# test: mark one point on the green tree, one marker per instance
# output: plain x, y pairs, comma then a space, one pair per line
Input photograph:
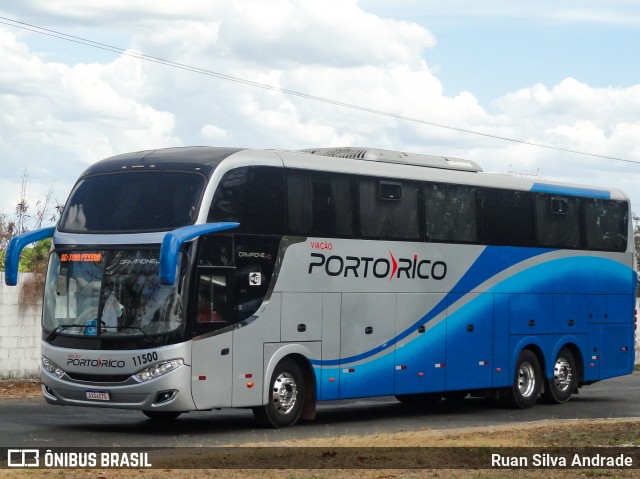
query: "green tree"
33, 258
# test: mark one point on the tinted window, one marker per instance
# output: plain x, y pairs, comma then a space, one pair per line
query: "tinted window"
450, 213
507, 217
389, 210
133, 201
320, 204
606, 224
252, 196
558, 221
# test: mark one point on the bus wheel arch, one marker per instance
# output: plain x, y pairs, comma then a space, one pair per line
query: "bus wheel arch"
290, 394
309, 398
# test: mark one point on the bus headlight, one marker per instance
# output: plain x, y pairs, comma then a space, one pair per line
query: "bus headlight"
158, 370
52, 367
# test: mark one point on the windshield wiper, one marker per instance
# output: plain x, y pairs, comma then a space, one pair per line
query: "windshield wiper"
144, 333
53, 334
62, 327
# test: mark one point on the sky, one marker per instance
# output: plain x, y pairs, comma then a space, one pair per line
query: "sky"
563, 74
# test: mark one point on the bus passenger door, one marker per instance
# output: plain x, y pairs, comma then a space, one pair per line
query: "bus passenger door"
469, 342
211, 320
420, 354
366, 329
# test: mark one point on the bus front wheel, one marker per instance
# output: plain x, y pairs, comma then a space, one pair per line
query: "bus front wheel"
286, 393
560, 387
526, 382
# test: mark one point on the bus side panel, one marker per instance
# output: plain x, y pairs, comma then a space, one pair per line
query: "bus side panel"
367, 323
470, 343
611, 351
420, 357
618, 351
248, 353
301, 317
611, 336
501, 341
570, 313
531, 314
328, 377
211, 371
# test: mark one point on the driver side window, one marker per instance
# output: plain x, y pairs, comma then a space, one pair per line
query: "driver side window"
211, 302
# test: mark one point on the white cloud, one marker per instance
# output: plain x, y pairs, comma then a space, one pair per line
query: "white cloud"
56, 118
612, 12
212, 132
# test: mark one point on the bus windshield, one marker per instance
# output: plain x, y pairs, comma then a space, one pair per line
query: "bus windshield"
133, 201
109, 293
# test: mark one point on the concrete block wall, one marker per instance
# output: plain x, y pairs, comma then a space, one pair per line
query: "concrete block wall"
19, 334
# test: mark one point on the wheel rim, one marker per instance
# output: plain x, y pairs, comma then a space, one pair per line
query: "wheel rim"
526, 379
562, 374
285, 393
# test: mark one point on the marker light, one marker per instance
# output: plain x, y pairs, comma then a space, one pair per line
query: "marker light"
52, 367
158, 370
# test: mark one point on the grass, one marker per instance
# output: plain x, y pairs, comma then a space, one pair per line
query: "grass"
565, 435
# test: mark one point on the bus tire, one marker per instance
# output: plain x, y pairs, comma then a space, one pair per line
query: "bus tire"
286, 396
560, 387
162, 415
527, 380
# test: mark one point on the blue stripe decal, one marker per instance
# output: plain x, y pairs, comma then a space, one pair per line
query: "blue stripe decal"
491, 261
570, 191
562, 276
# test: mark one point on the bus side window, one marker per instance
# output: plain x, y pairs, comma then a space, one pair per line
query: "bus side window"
558, 221
389, 209
507, 217
450, 213
252, 196
320, 204
606, 224
212, 300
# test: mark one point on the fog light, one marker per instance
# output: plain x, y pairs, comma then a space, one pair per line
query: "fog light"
164, 396
48, 392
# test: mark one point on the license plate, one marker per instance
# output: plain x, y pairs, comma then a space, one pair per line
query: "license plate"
98, 395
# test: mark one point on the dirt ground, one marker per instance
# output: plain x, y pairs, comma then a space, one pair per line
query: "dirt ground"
19, 389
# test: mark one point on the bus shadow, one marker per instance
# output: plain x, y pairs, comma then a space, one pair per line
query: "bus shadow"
237, 426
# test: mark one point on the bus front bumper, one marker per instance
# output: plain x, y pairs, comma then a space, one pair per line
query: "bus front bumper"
170, 392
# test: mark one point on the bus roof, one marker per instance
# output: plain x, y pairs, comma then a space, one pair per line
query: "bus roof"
200, 158
379, 162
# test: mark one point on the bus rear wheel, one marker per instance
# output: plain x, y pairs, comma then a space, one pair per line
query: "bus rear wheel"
560, 387
526, 382
286, 394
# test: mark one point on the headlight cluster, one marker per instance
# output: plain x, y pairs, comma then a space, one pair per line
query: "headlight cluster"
158, 370
52, 367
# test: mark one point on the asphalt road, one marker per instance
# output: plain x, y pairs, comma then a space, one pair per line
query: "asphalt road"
33, 423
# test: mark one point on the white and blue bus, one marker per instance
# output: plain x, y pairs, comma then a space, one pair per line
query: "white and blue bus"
189, 279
